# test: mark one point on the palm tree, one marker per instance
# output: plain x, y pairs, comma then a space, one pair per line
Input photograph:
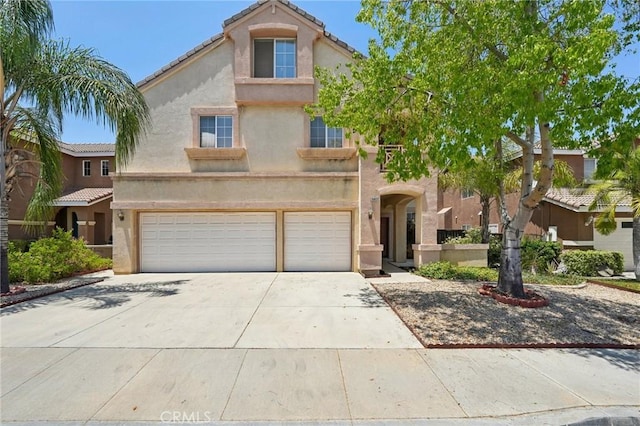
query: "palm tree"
41, 80
620, 184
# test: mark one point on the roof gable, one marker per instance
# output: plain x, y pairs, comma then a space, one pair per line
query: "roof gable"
237, 19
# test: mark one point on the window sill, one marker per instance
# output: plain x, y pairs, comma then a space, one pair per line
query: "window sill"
215, 153
326, 153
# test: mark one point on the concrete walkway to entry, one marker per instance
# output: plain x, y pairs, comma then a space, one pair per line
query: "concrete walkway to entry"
278, 347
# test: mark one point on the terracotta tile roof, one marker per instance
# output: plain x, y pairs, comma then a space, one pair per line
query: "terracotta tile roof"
219, 37
574, 200
83, 197
84, 148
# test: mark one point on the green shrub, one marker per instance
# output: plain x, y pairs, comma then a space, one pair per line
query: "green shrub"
495, 249
471, 236
447, 271
538, 254
587, 263
50, 259
21, 245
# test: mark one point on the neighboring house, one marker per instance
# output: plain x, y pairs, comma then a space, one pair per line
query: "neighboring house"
84, 206
235, 176
563, 215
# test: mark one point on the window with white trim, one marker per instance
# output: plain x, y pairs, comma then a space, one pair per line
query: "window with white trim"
104, 168
86, 168
467, 193
323, 136
216, 131
274, 58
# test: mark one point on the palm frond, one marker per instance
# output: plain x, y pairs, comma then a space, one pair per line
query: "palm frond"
37, 126
77, 81
33, 18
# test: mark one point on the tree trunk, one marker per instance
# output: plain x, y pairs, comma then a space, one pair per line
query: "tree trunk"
510, 275
4, 225
636, 246
484, 220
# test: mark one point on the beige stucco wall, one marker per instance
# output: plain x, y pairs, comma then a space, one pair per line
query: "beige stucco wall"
205, 81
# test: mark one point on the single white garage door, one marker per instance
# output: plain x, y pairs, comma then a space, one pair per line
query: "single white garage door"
207, 242
317, 241
619, 240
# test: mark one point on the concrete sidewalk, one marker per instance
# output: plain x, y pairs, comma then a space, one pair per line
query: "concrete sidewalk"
273, 348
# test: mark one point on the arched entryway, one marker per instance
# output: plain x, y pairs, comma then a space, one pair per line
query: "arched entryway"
398, 230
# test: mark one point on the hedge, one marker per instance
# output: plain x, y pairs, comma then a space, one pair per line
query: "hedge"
587, 263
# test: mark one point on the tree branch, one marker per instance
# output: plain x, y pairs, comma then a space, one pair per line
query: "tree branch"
493, 49
518, 140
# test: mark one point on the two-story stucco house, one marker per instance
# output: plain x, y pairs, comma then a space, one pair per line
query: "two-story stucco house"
84, 205
235, 176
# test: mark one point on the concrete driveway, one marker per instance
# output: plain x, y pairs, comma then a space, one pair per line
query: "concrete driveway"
320, 347
264, 310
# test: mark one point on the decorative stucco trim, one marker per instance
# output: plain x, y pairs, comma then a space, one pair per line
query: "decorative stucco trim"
234, 206
402, 188
298, 81
326, 153
215, 153
127, 176
272, 29
370, 248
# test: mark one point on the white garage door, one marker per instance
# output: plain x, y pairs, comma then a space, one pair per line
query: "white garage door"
207, 242
317, 241
619, 240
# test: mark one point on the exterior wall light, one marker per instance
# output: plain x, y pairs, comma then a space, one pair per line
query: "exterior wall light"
120, 215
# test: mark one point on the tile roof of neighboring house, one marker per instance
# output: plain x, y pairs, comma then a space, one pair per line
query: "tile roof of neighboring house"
84, 197
234, 18
573, 200
88, 149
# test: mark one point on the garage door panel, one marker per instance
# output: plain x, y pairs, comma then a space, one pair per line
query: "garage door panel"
199, 242
619, 240
317, 241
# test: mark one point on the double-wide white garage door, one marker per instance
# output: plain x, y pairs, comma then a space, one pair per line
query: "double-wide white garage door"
244, 241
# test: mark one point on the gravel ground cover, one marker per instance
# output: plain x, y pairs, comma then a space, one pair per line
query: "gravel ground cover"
443, 313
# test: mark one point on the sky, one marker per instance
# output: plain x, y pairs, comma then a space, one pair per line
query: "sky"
142, 36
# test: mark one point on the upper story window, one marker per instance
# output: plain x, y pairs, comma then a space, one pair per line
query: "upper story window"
216, 131
467, 193
104, 168
323, 136
274, 58
86, 168
590, 165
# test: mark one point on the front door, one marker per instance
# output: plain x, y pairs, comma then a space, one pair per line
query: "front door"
384, 236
